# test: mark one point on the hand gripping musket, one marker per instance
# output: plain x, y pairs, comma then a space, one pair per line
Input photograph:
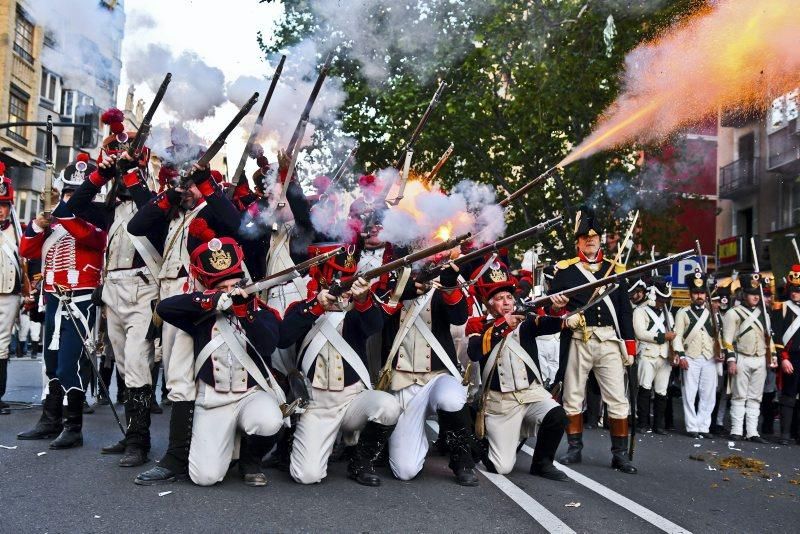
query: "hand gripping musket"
338, 287
430, 273
716, 329
259, 121
771, 355
47, 192
218, 143
90, 350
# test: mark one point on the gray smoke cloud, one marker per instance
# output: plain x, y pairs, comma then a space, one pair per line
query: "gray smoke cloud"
196, 90
82, 35
425, 34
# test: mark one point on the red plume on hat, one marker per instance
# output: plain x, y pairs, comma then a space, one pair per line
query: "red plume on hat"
199, 229
366, 180
112, 115
2, 168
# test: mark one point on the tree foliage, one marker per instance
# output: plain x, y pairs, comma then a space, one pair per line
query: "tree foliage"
527, 80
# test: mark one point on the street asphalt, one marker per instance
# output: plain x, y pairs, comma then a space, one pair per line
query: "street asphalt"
682, 485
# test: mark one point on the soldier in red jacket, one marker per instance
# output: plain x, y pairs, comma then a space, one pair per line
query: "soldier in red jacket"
71, 250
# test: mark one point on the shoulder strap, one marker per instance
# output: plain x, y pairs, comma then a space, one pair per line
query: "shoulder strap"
607, 301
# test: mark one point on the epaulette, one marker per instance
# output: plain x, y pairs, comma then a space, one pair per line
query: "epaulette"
618, 267
563, 264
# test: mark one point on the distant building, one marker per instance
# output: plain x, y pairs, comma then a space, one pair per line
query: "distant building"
39, 76
759, 187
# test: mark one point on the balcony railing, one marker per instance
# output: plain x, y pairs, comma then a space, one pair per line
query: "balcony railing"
784, 149
739, 178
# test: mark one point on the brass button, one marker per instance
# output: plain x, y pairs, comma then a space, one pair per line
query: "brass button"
242, 379
339, 379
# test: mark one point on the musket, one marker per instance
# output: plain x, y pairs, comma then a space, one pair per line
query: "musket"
428, 274
89, 348
439, 164
47, 193
339, 173
772, 359
279, 278
218, 143
144, 128
527, 187
715, 326
796, 250
400, 159
323, 73
672, 358
611, 278
259, 120
340, 286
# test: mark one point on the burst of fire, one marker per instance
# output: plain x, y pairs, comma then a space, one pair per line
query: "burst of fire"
736, 54
444, 232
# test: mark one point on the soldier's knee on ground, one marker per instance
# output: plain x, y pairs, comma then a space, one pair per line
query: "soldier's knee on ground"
208, 475
405, 470
307, 474
502, 466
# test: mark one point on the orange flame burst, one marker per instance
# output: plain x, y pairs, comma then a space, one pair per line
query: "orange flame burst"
737, 54
444, 232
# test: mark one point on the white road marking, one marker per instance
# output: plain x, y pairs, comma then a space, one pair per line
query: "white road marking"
635, 508
532, 507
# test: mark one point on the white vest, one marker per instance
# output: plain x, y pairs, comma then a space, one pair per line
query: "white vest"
176, 253
9, 260
120, 250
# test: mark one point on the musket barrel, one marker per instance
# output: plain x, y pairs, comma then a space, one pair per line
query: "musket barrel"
613, 278
527, 187
220, 140
144, 128
323, 73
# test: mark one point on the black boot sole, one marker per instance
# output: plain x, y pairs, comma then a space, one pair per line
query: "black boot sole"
73, 445
49, 435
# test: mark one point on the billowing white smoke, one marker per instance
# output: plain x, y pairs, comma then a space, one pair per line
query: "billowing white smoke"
423, 216
82, 34
196, 90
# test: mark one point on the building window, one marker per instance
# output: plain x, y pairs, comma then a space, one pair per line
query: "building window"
50, 90
17, 112
74, 102
783, 110
23, 36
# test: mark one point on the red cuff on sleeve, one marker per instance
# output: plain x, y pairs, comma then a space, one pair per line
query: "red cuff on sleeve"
206, 188
163, 202
240, 310
363, 306
784, 355
630, 347
452, 297
559, 313
316, 308
131, 179
97, 180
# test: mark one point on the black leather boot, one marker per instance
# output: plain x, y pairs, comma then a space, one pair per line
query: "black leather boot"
461, 443
787, 414
50, 423
71, 436
118, 447
370, 444
574, 440
252, 450
659, 412
5, 409
121, 389
282, 455
137, 437
642, 408
547, 439
175, 463
768, 413
619, 446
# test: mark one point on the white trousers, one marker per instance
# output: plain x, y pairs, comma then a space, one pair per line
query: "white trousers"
548, 347
217, 418
504, 424
177, 351
699, 379
746, 392
605, 359
129, 312
28, 328
9, 310
654, 374
408, 444
328, 412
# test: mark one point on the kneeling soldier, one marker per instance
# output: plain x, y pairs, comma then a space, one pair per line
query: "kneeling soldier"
234, 335
505, 345
330, 334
